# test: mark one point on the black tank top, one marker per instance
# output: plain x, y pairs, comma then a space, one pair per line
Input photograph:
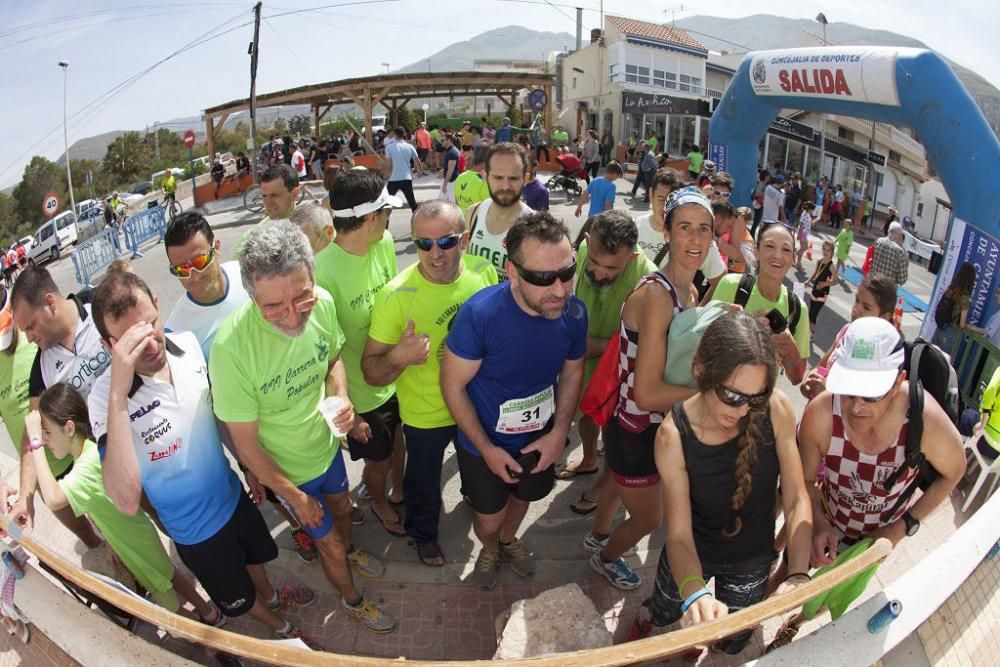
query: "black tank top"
822, 275
710, 477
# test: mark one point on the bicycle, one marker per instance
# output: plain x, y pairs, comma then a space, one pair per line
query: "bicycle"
173, 206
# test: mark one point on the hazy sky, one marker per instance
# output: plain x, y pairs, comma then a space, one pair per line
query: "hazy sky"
109, 42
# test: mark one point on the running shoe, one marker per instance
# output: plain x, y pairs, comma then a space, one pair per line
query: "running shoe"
519, 558
617, 572
305, 548
362, 492
487, 568
370, 616
594, 545
290, 597
365, 564
217, 622
295, 633
357, 516
642, 624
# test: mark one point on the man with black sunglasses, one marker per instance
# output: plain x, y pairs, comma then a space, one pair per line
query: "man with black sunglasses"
511, 376
409, 325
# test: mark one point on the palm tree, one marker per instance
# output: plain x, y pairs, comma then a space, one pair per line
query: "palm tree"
127, 157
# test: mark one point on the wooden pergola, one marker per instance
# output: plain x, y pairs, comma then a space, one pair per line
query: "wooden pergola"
392, 91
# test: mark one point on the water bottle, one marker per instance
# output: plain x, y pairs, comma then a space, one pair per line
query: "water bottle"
897, 314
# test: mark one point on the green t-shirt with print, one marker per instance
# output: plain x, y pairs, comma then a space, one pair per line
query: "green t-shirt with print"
432, 307
725, 291
133, 538
15, 372
604, 306
470, 189
354, 282
260, 374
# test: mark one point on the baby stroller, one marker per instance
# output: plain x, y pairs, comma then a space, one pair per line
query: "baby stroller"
569, 178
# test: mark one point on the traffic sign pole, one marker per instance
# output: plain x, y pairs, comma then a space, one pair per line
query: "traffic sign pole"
189, 142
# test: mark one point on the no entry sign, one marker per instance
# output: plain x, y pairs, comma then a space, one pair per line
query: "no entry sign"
189, 139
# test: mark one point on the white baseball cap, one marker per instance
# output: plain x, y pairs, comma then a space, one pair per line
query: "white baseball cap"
869, 359
6, 321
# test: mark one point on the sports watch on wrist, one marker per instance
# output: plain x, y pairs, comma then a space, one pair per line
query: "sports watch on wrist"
912, 524
35, 443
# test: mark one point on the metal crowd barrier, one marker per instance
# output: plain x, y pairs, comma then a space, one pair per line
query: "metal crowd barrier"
975, 359
143, 226
93, 255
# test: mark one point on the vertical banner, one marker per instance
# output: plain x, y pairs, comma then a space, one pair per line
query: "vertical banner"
717, 154
967, 244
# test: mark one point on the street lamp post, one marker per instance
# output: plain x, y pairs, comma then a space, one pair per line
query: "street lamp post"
821, 18
386, 66
69, 175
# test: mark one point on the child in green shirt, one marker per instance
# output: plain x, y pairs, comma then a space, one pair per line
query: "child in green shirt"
845, 238
62, 424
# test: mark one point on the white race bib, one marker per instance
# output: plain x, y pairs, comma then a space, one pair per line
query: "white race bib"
525, 415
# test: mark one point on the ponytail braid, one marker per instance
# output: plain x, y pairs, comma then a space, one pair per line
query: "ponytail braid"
745, 461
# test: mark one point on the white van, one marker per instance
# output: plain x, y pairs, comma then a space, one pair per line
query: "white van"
53, 236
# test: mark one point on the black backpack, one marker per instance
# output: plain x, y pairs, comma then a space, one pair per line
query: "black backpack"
928, 371
945, 311
746, 287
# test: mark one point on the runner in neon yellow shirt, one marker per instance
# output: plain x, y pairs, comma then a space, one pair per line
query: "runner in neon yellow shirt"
406, 340
274, 361
354, 269
63, 425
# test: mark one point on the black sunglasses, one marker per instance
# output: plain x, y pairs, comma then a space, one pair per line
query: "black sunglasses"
735, 399
445, 242
546, 278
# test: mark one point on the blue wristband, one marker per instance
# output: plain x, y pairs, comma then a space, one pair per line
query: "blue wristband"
694, 597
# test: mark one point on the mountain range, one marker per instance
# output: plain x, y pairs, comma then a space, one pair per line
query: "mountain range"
517, 42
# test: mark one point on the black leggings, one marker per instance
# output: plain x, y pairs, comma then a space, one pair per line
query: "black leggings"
591, 171
737, 585
814, 308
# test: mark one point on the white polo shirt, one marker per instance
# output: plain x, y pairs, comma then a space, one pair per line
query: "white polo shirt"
79, 367
185, 473
203, 319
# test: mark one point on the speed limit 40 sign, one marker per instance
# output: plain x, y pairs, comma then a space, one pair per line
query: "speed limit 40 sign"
50, 205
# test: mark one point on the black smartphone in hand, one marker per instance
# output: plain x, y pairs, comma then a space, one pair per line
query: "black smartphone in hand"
776, 321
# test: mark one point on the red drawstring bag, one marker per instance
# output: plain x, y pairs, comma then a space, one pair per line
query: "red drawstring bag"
600, 397
867, 266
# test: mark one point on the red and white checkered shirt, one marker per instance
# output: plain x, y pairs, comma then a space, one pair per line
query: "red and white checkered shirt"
630, 416
853, 485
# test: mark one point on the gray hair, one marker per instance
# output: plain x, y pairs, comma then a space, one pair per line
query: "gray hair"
896, 229
275, 248
313, 217
439, 208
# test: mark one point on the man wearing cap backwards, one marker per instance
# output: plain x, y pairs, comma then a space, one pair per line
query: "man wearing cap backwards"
857, 428
888, 257
69, 350
507, 170
274, 361
354, 269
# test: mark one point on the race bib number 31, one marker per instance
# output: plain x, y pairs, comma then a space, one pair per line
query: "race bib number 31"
525, 415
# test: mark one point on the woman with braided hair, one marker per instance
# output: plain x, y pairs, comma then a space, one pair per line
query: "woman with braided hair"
721, 454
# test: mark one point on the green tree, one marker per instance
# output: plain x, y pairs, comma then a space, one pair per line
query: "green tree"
102, 181
128, 157
243, 127
280, 125
301, 124
9, 220
41, 176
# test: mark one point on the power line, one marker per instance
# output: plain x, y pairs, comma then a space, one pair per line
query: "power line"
290, 49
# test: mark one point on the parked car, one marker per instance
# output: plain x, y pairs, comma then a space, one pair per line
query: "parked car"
89, 209
53, 237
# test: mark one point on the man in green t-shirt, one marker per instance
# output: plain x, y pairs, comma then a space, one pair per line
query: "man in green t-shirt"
609, 263
273, 363
560, 137
695, 158
406, 342
470, 186
354, 269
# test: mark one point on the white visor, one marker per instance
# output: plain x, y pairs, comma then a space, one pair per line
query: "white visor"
384, 199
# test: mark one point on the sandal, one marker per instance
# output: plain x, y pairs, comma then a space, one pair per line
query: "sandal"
783, 637
393, 527
583, 504
429, 552
568, 473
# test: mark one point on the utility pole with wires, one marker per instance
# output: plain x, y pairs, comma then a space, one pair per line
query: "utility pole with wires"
253, 90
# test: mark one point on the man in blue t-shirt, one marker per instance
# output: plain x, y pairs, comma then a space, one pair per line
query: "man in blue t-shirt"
400, 154
451, 171
511, 377
600, 192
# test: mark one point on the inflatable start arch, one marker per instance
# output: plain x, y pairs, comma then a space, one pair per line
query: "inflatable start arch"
914, 88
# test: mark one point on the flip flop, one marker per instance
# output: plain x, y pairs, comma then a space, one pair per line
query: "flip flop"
583, 504
391, 525
566, 473
426, 551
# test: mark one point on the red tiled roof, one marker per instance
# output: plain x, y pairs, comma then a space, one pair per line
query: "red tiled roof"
660, 33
